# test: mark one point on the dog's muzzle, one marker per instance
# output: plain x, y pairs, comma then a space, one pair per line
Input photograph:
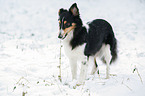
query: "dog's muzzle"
65, 32
62, 34
62, 37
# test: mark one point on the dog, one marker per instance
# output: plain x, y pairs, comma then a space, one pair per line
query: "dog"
81, 43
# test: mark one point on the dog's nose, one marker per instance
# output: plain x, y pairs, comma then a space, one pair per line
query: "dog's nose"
60, 36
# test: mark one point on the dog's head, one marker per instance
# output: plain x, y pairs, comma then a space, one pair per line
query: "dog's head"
67, 20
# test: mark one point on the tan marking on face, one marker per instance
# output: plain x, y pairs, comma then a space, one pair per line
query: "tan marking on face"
67, 30
59, 21
59, 12
73, 24
65, 22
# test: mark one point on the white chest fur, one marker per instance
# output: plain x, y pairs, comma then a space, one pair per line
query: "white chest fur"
76, 53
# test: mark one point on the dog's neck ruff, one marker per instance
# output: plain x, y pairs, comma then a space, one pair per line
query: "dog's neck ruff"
67, 30
78, 37
70, 33
69, 36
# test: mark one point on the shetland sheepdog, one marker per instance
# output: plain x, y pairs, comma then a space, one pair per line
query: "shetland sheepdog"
81, 43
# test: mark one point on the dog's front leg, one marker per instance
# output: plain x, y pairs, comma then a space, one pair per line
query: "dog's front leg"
83, 72
73, 64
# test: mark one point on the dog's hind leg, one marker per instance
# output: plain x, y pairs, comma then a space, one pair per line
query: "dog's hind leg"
73, 64
95, 67
108, 57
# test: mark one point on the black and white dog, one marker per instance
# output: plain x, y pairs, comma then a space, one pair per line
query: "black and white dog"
81, 43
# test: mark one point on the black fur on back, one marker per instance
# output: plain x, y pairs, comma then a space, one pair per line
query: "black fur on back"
100, 32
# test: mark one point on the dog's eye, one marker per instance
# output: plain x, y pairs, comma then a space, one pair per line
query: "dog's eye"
68, 24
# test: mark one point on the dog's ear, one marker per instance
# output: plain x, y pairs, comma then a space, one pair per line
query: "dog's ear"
61, 11
74, 10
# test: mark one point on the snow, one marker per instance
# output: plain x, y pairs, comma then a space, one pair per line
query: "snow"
29, 48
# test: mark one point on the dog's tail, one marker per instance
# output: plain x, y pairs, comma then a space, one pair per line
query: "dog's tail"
111, 40
114, 50
113, 46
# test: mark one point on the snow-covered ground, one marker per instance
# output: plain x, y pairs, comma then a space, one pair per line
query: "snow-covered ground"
29, 48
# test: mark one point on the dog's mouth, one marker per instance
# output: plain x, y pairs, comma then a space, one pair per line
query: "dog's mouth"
63, 33
62, 36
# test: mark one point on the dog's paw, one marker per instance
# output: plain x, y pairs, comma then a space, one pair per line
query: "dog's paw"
79, 84
72, 84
